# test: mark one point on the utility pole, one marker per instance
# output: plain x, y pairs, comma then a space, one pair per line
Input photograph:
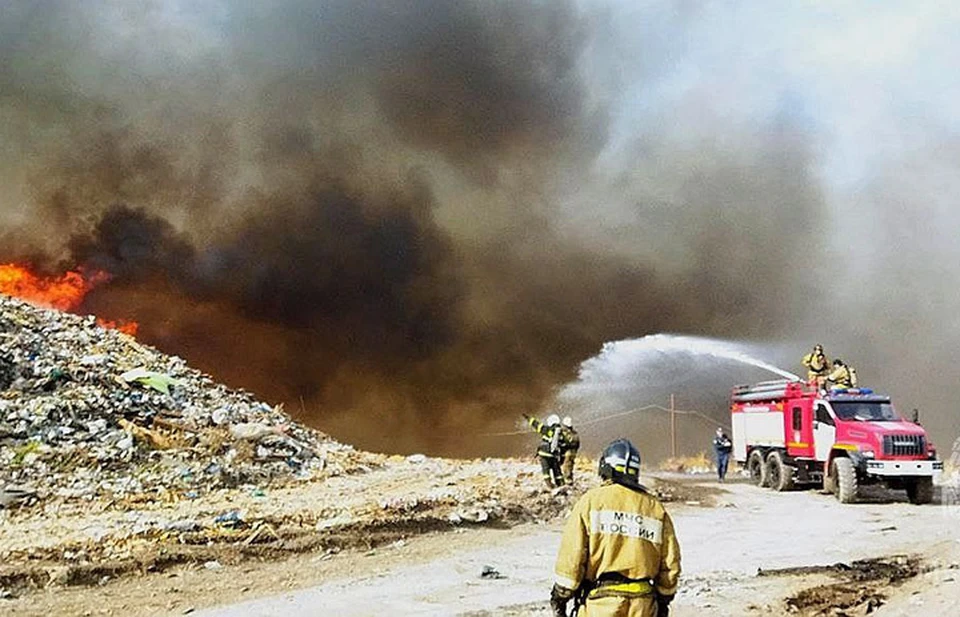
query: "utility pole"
673, 428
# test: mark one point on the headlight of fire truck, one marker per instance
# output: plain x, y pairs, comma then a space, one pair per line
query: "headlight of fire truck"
867, 453
931, 450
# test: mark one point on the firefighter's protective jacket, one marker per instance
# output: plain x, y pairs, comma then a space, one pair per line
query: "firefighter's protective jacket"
816, 364
549, 438
569, 439
615, 529
840, 376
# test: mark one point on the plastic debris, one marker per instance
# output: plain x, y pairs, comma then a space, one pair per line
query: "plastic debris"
231, 519
89, 413
489, 572
152, 379
11, 496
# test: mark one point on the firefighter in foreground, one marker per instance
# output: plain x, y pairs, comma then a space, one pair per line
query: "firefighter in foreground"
618, 555
569, 447
548, 450
817, 365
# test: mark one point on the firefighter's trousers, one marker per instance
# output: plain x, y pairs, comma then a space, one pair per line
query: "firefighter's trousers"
551, 469
569, 458
620, 606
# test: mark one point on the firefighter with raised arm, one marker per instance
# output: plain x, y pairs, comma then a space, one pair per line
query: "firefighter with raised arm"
569, 447
619, 556
817, 365
548, 450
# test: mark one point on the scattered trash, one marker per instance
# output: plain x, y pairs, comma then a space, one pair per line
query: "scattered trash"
473, 515
158, 381
251, 431
489, 572
183, 526
232, 519
337, 521
11, 496
260, 530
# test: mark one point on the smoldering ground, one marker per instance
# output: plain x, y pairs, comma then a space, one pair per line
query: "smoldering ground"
410, 222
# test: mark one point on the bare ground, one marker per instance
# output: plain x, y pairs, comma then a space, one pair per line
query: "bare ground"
415, 539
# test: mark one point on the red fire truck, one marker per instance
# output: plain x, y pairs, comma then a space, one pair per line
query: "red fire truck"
788, 432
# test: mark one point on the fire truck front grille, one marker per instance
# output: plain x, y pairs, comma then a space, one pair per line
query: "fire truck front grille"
903, 445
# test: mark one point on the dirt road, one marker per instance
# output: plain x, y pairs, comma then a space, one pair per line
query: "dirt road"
723, 548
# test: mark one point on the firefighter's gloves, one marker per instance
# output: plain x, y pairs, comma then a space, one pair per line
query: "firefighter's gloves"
663, 605
559, 596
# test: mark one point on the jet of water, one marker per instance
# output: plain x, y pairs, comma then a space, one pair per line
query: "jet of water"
626, 372
626, 388
620, 358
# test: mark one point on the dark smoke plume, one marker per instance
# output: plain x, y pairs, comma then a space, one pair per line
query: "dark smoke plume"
408, 221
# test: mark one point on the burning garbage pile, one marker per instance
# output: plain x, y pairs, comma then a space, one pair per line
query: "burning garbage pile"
89, 413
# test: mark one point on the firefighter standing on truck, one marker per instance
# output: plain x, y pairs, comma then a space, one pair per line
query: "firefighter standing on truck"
817, 365
569, 446
548, 450
619, 556
842, 376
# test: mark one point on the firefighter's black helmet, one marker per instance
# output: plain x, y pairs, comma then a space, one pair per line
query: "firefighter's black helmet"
620, 462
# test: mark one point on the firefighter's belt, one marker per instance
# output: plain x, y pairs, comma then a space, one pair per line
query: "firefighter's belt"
631, 589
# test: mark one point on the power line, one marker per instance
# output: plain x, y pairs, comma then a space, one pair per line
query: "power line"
683, 412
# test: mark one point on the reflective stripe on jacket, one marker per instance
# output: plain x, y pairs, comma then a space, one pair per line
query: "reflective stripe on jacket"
549, 438
614, 529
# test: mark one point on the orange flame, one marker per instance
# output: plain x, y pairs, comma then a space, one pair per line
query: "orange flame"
65, 292
127, 327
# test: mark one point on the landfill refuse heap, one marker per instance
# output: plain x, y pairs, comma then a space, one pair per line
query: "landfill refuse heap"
88, 413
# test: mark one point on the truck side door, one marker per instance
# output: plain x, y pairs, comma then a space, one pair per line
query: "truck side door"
800, 429
824, 431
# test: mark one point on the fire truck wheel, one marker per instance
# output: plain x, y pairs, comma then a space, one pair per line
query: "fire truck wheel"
846, 478
758, 471
920, 490
779, 474
830, 481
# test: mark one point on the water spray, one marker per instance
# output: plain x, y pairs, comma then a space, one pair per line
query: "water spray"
610, 384
610, 381
619, 358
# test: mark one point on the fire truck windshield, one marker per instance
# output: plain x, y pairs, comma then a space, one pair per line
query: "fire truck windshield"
865, 411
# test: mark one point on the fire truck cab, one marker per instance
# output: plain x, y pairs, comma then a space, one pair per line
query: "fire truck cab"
788, 432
